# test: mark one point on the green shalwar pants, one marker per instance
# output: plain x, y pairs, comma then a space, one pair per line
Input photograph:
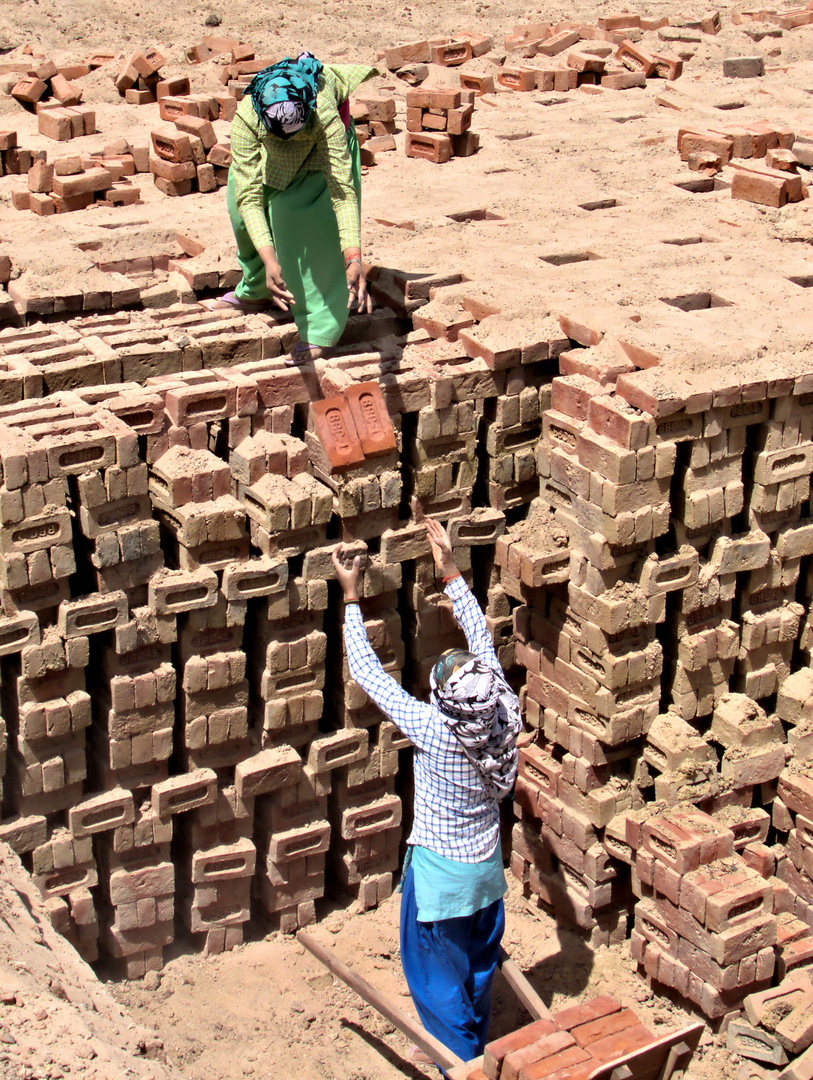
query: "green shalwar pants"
306, 238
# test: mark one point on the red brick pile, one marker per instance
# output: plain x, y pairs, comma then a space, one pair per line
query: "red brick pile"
707, 921
237, 75
769, 172
49, 92
189, 158
569, 1046
138, 81
14, 160
45, 81
648, 685
553, 57
438, 124
77, 181
62, 124
447, 52
374, 117
787, 20
212, 46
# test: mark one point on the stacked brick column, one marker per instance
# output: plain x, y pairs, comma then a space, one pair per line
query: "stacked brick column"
512, 429
134, 687
705, 924
218, 859
292, 833
137, 903
47, 709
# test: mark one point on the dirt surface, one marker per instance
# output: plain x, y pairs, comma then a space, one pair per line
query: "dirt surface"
544, 157
55, 1017
270, 1005
267, 1007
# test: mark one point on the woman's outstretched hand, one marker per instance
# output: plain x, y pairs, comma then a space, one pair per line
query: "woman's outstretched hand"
276, 285
441, 547
357, 288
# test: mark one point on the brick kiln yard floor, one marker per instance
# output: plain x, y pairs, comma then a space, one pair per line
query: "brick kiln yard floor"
543, 158
266, 1006
271, 1008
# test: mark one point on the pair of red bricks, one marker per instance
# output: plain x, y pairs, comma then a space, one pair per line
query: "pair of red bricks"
568, 1046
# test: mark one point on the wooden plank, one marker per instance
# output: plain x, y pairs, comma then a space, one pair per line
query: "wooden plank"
676, 1052
461, 1072
528, 997
651, 1061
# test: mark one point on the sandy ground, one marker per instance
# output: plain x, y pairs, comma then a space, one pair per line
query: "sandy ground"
270, 1006
542, 157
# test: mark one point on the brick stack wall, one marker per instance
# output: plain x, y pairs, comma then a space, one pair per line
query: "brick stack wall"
668, 671
183, 747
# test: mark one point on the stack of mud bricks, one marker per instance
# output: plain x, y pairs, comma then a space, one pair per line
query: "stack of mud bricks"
364, 809
374, 117
14, 159
139, 83
769, 175
168, 664
77, 181
56, 100
568, 55
507, 426
512, 426
291, 831
438, 124
131, 348
661, 660
173, 676
570, 1045
707, 921
189, 158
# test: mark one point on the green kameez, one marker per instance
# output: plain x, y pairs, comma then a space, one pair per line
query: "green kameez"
306, 238
303, 194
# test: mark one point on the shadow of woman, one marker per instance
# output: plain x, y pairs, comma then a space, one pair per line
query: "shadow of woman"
564, 972
403, 1065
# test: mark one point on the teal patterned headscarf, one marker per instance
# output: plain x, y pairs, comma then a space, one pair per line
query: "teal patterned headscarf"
284, 95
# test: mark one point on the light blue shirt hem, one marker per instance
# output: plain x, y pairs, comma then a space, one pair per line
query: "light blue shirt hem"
449, 889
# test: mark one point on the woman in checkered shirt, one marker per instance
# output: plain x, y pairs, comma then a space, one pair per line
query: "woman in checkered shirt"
452, 915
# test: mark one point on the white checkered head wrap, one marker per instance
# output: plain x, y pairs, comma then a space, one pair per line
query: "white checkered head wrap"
482, 712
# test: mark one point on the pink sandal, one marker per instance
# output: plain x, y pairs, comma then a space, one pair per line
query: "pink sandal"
232, 300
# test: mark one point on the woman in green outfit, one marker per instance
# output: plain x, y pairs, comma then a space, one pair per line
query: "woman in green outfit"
294, 198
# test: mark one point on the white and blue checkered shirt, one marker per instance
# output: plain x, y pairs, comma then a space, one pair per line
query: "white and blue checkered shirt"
453, 814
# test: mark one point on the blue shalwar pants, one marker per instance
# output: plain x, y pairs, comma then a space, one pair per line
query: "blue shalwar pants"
449, 967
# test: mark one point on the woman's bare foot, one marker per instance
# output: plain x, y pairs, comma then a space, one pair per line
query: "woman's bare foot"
303, 353
419, 1057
